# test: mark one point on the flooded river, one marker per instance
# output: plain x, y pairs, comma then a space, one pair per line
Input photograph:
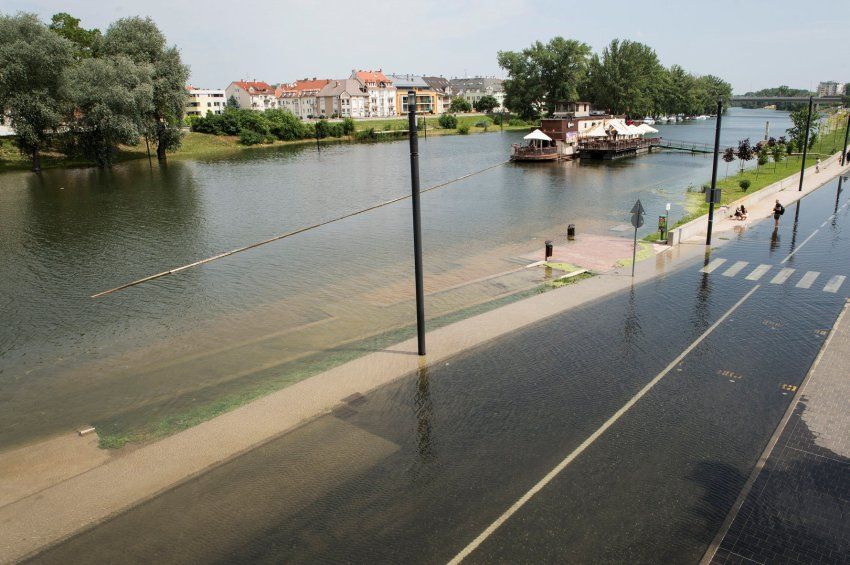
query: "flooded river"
150, 359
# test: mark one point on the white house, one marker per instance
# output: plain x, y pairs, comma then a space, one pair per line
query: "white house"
203, 101
300, 96
252, 95
381, 93
475, 88
346, 98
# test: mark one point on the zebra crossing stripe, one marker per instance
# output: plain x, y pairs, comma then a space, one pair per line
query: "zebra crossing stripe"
834, 283
758, 272
808, 279
712, 265
782, 276
735, 269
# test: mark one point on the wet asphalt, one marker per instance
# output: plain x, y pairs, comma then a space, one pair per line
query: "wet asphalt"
414, 471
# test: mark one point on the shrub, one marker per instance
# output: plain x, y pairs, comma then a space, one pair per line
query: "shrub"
250, 137
347, 126
448, 121
482, 124
463, 129
744, 184
322, 128
368, 135
517, 122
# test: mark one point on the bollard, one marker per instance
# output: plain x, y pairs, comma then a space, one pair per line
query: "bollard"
571, 232
548, 253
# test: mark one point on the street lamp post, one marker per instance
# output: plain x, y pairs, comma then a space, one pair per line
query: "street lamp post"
714, 173
805, 145
844, 147
417, 221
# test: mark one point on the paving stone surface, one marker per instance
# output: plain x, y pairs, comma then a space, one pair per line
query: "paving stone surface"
798, 509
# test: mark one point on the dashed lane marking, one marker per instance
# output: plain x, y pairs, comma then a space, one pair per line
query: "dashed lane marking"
758, 272
808, 279
712, 265
833, 284
782, 276
735, 269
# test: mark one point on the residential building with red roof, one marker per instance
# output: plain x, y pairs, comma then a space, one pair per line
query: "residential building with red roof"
299, 97
381, 91
253, 95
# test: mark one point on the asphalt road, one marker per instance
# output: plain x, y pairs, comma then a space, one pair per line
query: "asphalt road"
638, 418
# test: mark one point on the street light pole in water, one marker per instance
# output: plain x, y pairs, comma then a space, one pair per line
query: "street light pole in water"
417, 221
713, 191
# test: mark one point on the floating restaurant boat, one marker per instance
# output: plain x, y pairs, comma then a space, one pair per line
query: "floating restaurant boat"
538, 147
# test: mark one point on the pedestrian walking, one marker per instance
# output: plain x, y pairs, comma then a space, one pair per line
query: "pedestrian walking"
778, 210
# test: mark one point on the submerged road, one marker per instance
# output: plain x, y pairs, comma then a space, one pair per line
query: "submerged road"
621, 431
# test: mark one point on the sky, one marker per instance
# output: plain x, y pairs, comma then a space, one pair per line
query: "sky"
752, 44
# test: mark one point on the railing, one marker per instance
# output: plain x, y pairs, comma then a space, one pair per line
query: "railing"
526, 150
617, 145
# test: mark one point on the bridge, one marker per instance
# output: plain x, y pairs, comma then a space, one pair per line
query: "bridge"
689, 146
801, 99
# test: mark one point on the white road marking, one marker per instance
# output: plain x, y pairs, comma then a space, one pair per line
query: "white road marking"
735, 269
801, 245
712, 266
592, 438
782, 276
758, 272
808, 279
834, 283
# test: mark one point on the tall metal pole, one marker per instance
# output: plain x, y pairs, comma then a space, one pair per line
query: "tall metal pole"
714, 173
844, 147
417, 221
805, 145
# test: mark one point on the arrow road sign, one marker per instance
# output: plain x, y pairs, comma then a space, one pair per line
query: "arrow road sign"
637, 214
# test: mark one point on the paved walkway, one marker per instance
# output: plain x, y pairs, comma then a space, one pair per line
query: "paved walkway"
797, 506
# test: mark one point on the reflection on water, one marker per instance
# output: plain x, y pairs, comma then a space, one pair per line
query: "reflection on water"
270, 316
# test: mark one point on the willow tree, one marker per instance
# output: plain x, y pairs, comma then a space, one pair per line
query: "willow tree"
31, 62
626, 78
542, 75
141, 41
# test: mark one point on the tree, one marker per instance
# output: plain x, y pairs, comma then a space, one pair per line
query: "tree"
728, 157
447, 121
232, 103
31, 62
542, 75
626, 79
797, 132
85, 41
110, 97
777, 152
745, 152
141, 41
460, 105
486, 104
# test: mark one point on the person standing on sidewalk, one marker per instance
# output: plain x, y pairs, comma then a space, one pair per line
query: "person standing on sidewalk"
817, 166
778, 210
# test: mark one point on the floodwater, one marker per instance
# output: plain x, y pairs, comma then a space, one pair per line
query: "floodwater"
261, 319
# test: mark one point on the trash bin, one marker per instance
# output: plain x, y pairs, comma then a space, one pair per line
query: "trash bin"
548, 249
571, 232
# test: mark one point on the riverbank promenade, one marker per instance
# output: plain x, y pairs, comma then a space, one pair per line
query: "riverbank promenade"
795, 506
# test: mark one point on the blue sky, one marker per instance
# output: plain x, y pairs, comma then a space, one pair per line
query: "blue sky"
751, 43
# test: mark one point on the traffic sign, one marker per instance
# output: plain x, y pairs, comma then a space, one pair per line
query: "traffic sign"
637, 214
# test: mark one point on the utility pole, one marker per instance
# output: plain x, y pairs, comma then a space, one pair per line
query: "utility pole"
712, 193
805, 145
417, 221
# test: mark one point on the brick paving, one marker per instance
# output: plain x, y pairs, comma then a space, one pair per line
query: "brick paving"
798, 509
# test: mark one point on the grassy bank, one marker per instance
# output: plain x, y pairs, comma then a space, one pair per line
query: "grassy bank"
155, 422
760, 177
198, 145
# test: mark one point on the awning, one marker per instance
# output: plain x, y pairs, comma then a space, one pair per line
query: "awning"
596, 131
619, 126
538, 135
646, 128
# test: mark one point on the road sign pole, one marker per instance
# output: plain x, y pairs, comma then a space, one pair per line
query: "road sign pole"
634, 254
417, 222
637, 221
714, 173
805, 146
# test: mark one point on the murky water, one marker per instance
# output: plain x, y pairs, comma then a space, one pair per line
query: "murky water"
266, 317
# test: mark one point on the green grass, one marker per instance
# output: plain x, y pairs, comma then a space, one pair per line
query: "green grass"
433, 125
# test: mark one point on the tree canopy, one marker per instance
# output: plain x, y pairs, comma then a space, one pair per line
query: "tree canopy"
625, 78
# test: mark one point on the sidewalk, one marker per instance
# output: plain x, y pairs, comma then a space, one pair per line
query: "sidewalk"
796, 506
